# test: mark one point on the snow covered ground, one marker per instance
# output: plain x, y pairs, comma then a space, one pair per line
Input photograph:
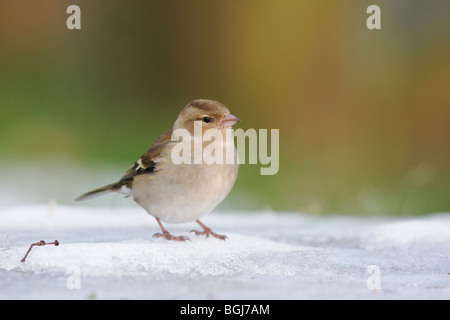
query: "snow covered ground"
109, 253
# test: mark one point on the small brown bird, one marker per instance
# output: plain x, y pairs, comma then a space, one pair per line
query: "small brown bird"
176, 192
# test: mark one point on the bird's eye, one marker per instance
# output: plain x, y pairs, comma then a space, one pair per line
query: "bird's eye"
206, 119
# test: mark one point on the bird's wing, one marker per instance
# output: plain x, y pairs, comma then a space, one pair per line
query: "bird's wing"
148, 162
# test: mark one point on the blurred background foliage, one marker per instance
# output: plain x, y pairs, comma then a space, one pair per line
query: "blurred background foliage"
364, 115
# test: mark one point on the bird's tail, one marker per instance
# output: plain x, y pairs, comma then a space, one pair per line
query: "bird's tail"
98, 192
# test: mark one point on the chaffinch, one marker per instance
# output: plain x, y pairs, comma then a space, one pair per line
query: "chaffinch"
175, 192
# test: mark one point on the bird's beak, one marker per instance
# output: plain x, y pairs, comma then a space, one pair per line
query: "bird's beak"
229, 120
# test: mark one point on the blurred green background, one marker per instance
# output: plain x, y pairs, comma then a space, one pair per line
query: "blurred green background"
364, 115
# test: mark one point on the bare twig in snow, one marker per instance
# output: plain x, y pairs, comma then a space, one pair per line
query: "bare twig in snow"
40, 243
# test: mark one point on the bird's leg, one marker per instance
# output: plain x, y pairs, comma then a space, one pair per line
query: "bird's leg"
167, 235
207, 232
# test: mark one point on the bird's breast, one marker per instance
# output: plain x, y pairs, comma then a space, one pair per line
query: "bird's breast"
178, 193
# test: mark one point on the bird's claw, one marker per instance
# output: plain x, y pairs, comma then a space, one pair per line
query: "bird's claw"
208, 232
168, 236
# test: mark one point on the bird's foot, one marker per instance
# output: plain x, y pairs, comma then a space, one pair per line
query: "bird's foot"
168, 236
208, 232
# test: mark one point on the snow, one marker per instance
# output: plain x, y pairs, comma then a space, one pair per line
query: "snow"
108, 253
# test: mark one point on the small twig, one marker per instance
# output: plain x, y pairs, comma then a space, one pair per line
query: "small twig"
40, 243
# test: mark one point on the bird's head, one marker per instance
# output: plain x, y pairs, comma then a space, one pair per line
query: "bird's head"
212, 114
